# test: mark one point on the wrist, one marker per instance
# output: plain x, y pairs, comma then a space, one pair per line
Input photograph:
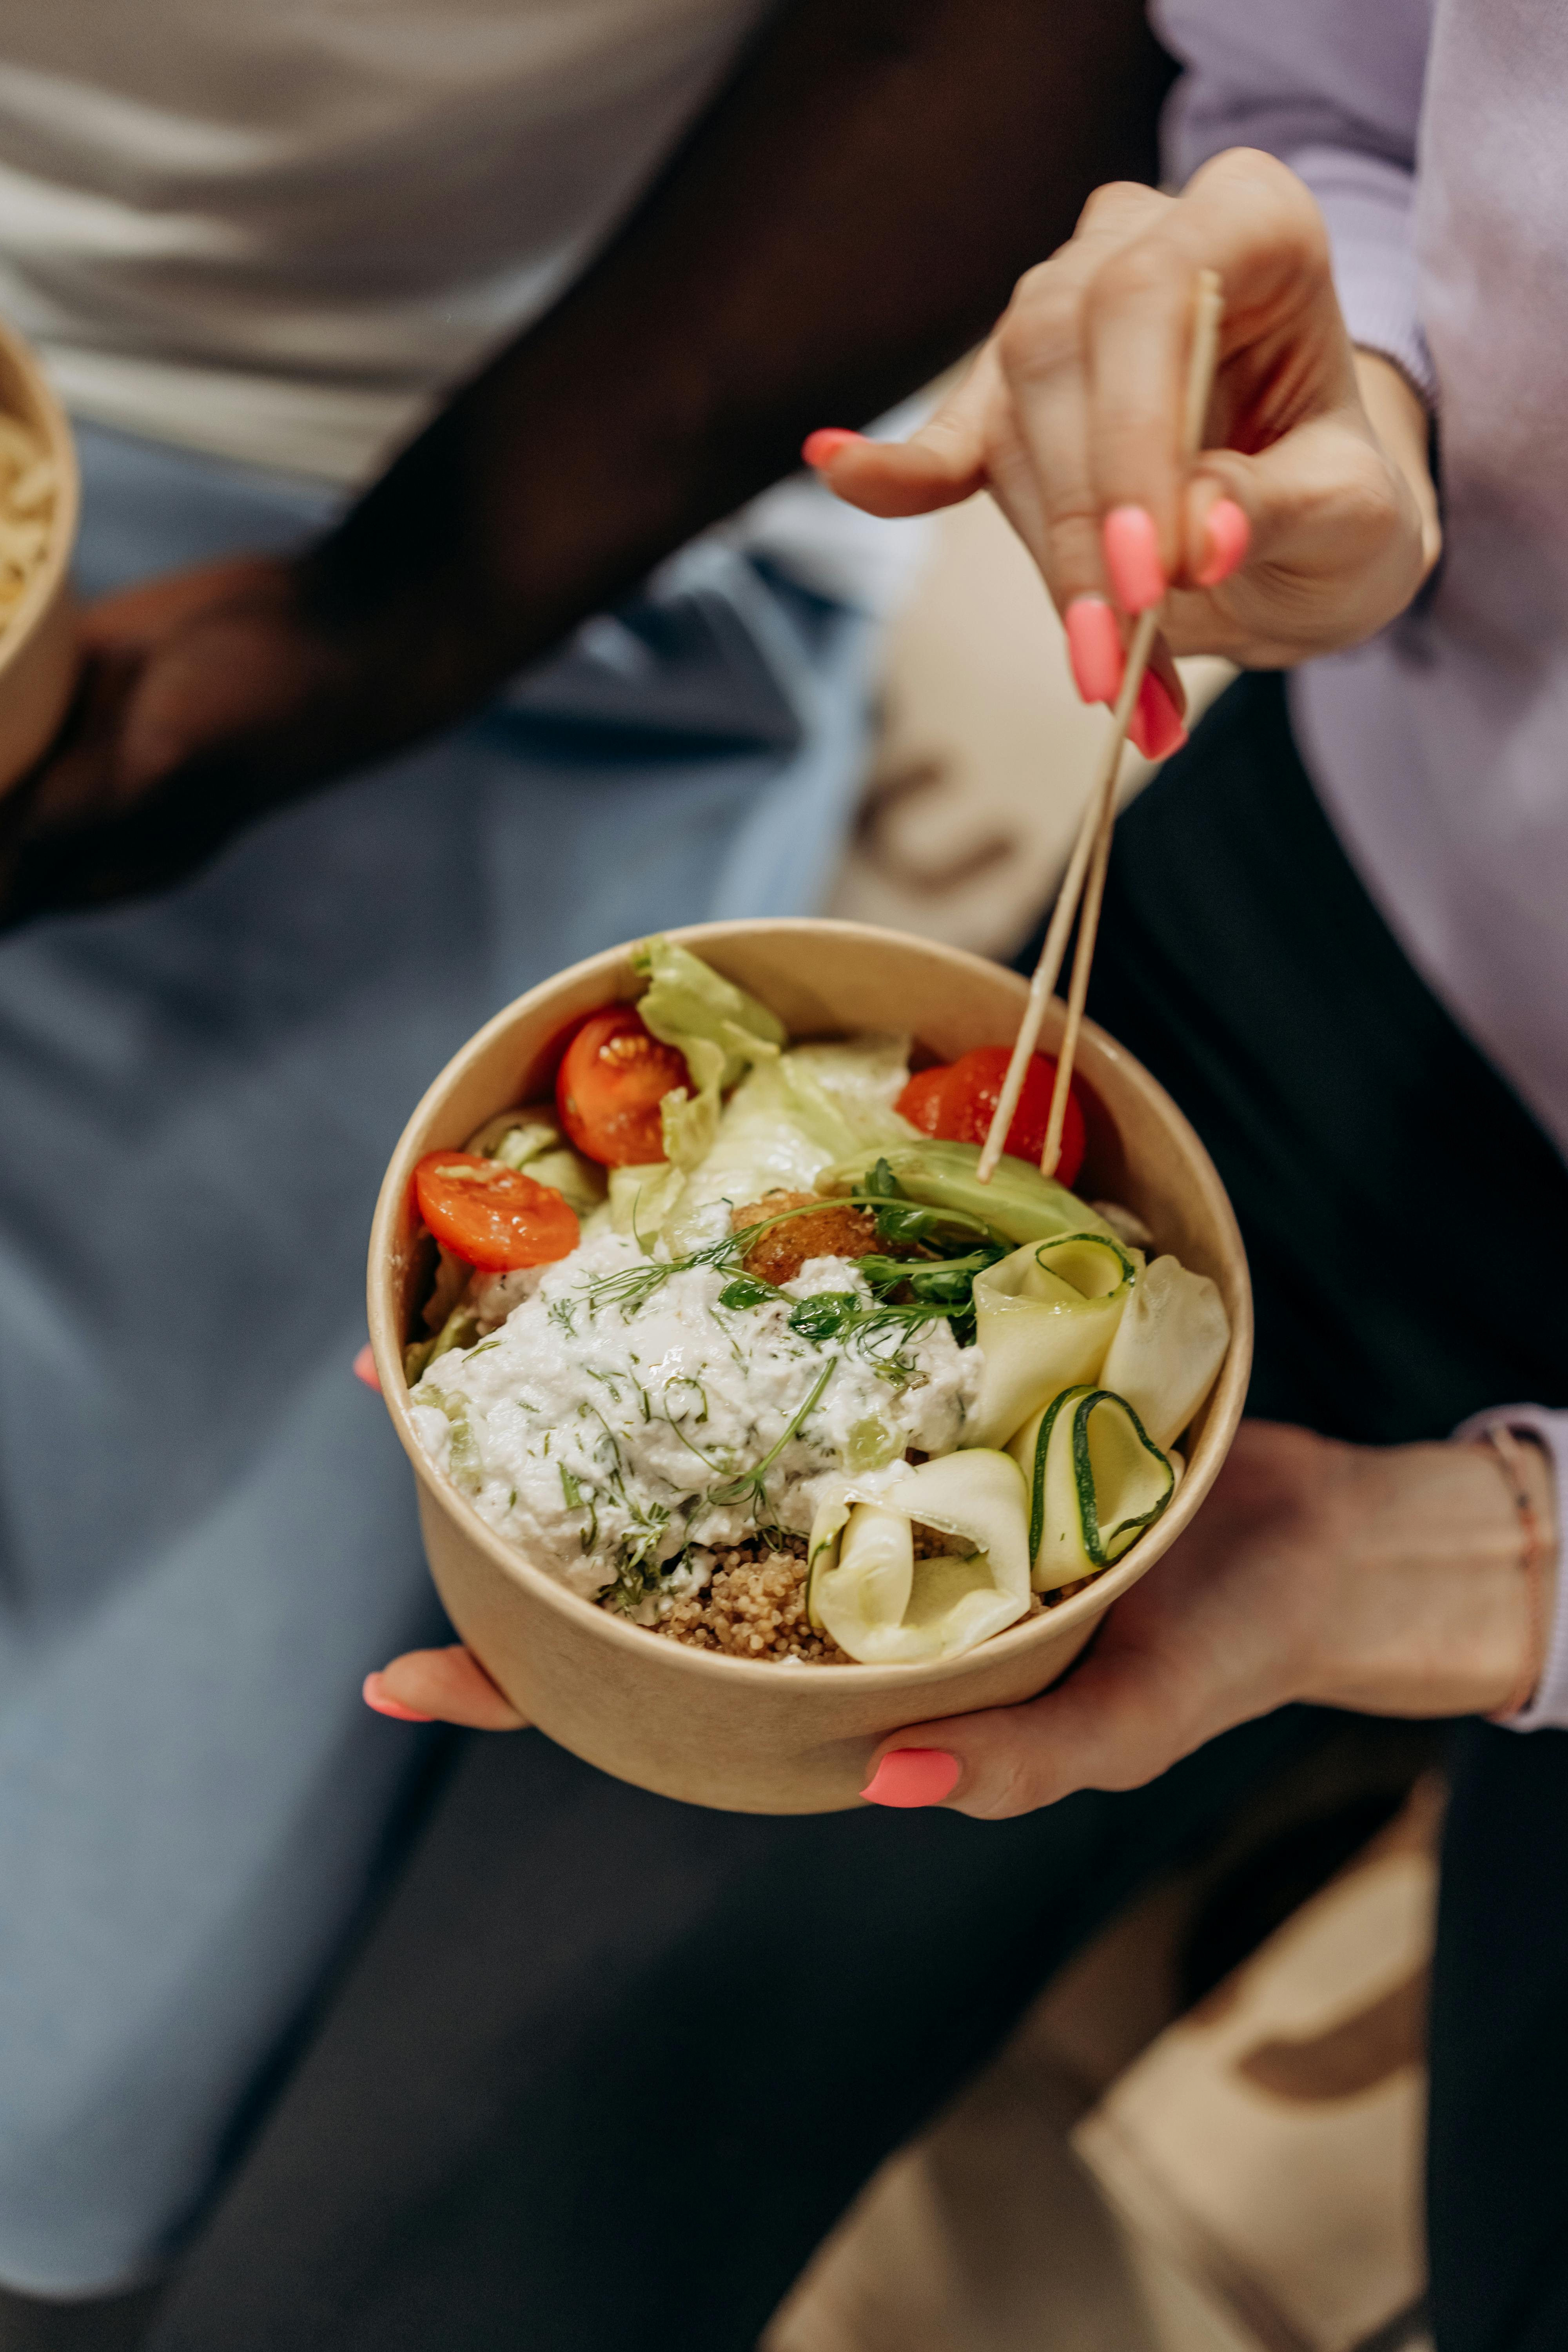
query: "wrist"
1402, 428
1525, 1463
1419, 1605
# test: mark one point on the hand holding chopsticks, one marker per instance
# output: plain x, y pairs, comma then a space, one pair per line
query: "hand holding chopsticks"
1083, 884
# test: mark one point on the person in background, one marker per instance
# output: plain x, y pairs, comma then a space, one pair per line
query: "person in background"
418, 353
1336, 927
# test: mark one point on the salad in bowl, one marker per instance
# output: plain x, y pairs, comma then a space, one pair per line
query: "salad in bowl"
725, 1337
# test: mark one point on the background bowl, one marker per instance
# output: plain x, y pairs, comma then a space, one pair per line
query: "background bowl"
695, 1723
38, 642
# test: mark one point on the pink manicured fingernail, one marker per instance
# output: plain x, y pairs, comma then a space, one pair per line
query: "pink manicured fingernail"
384, 1704
364, 1368
821, 447
1094, 648
1227, 535
1132, 558
1155, 726
912, 1777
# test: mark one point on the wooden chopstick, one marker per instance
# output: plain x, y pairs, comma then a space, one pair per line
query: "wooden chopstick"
1085, 876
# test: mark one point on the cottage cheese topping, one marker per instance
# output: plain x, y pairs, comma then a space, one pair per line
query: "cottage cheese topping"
617, 1441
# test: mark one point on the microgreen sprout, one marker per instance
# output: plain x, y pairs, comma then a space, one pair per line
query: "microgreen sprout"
630, 1288
746, 1290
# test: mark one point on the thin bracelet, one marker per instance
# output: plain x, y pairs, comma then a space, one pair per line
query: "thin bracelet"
1509, 1456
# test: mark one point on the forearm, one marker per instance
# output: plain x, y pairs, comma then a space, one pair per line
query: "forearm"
850, 214
1399, 1580
848, 217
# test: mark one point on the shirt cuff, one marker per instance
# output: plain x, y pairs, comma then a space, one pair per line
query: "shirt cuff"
1367, 203
1547, 1710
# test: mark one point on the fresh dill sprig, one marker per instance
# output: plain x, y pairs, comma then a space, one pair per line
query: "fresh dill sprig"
577, 1500
752, 1484
631, 1288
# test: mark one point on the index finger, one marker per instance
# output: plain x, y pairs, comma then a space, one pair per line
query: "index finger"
1249, 219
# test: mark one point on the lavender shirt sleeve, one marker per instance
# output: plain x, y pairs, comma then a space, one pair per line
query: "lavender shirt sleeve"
1547, 1710
1333, 88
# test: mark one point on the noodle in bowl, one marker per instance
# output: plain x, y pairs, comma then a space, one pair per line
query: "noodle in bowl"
39, 502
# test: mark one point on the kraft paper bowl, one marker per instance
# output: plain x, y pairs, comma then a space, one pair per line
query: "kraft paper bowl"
694, 1724
37, 642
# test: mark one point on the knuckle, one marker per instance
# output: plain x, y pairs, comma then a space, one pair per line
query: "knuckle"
1007, 1790
1278, 207
1014, 1768
1349, 489
1120, 205
1035, 283
1073, 527
1368, 509
1141, 273
1041, 328
946, 434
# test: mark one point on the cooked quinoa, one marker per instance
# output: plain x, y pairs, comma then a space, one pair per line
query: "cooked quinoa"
753, 1606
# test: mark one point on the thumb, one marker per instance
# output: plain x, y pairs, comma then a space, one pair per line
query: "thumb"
940, 466
1105, 1727
1320, 544
441, 1685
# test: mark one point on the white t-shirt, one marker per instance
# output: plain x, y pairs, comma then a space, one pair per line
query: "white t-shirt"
279, 229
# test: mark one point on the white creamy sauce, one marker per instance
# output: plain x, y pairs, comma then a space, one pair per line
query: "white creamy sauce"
605, 1439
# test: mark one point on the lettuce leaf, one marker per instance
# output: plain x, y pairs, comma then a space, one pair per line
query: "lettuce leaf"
531, 1139
719, 1029
849, 1088
788, 1120
641, 1200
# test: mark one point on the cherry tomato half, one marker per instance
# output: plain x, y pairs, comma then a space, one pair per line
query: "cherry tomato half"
957, 1100
611, 1082
925, 1102
490, 1215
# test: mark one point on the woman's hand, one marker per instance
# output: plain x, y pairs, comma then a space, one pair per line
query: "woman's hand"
206, 697
441, 1686
1309, 519
1386, 1579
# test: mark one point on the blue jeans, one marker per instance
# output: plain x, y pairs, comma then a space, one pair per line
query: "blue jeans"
207, 1532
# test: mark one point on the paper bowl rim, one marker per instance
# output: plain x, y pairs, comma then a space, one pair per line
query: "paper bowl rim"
1043, 1630
49, 417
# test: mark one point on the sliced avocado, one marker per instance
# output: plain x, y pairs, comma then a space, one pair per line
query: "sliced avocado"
1019, 1203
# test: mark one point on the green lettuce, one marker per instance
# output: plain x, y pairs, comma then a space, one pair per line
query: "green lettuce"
719, 1029
788, 1119
531, 1139
641, 1199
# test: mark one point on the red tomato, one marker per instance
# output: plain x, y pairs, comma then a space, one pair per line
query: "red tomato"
490, 1215
611, 1082
924, 1101
957, 1100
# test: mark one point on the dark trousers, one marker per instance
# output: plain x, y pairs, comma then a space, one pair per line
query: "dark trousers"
606, 2068
1367, 1148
